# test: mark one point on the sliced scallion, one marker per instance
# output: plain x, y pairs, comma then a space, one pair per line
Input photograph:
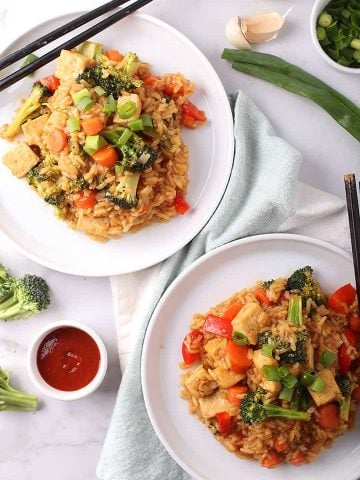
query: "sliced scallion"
318, 385
328, 358
73, 124
136, 125
126, 110
147, 120
308, 378
267, 350
85, 104
271, 373
27, 60
93, 143
99, 90
289, 381
83, 93
283, 371
126, 134
239, 338
286, 394
109, 105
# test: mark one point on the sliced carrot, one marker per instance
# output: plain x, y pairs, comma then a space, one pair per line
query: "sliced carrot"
57, 140
235, 392
260, 295
114, 55
231, 312
169, 89
85, 199
240, 356
271, 460
150, 80
298, 460
106, 156
329, 416
92, 126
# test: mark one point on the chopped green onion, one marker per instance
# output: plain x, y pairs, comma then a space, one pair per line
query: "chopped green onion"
267, 350
114, 135
73, 124
318, 385
136, 125
286, 394
239, 338
109, 105
126, 134
295, 310
289, 381
271, 373
308, 378
85, 104
93, 143
29, 59
283, 371
147, 120
126, 110
355, 43
346, 14
328, 358
99, 90
83, 93
357, 56
325, 20
321, 33
119, 169
295, 401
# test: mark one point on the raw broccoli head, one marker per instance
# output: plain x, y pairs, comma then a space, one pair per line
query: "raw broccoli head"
253, 409
38, 95
125, 191
12, 399
113, 79
344, 382
303, 281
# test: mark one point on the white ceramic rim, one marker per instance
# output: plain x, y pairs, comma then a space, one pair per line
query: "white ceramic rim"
47, 389
147, 344
316, 9
217, 195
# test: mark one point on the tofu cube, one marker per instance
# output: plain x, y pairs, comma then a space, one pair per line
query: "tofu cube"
249, 321
70, 65
33, 129
259, 361
216, 403
98, 226
225, 378
20, 160
330, 392
200, 383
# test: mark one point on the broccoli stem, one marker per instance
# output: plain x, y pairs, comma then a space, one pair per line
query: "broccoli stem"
295, 311
12, 399
9, 307
276, 411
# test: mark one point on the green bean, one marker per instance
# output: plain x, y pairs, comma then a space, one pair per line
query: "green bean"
293, 71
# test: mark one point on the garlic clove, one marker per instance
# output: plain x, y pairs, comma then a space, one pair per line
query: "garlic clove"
262, 27
235, 35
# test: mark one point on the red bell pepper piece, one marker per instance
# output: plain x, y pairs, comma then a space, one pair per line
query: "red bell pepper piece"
180, 204
342, 298
225, 422
195, 336
218, 325
260, 295
352, 337
191, 110
354, 323
51, 82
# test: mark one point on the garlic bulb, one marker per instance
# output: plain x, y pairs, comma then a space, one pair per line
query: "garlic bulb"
235, 35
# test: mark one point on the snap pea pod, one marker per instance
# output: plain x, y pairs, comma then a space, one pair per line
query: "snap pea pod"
296, 80
281, 66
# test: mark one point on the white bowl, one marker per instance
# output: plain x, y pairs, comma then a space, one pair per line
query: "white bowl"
47, 389
318, 7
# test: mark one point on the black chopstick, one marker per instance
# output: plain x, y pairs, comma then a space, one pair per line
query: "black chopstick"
73, 42
354, 223
59, 32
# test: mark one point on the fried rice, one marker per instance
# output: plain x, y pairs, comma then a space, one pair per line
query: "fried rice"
218, 390
87, 187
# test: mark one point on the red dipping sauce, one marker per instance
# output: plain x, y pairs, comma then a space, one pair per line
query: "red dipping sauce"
68, 358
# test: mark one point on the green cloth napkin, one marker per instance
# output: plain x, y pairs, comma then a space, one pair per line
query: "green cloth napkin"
258, 199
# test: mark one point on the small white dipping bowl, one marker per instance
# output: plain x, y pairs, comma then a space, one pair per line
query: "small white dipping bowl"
317, 8
47, 389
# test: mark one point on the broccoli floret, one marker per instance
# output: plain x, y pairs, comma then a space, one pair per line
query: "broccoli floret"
27, 295
253, 409
289, 356
5, 284
56, 199
345, 384
136, 155
36, 98
266, 285
78, 184
125, 191
12, 399
113, 79
303, 281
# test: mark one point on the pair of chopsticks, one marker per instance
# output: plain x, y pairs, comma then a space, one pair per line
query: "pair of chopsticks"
354, 223
73, 42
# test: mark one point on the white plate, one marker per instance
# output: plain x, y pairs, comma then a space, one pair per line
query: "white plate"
31, 225
213, 278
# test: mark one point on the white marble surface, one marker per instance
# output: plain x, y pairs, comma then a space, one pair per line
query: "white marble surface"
62, 441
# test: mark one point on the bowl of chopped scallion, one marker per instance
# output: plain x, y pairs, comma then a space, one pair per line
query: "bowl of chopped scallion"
335, 31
